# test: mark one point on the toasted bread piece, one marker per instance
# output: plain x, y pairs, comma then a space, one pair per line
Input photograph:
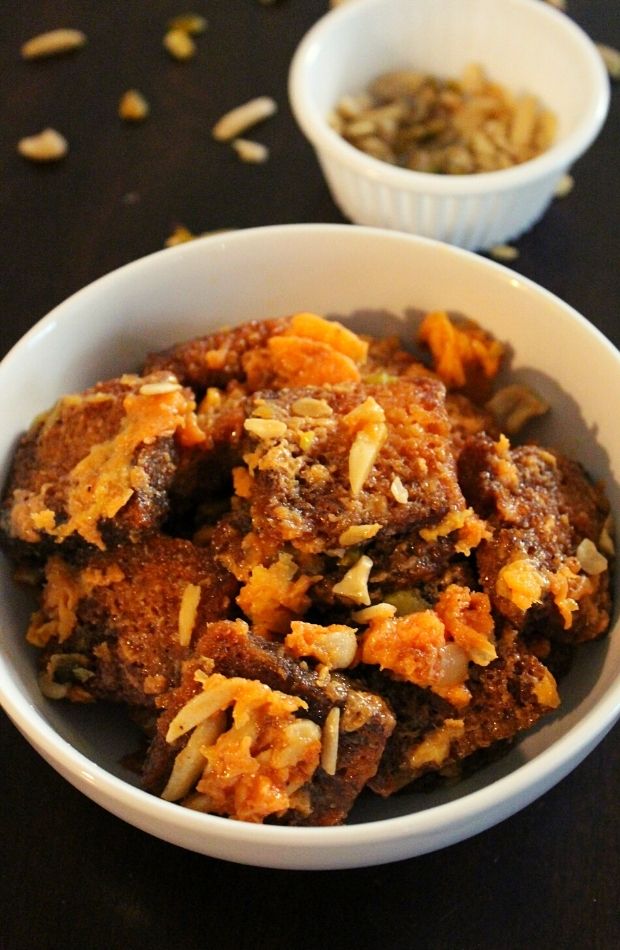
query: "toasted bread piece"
322, 461
541, 507
363, 720
131, 614
95, 469
508, 696
215, 359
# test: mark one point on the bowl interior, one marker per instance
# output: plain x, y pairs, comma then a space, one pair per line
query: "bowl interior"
379, 281
522, 44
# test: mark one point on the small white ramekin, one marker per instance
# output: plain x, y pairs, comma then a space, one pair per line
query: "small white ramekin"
526, 45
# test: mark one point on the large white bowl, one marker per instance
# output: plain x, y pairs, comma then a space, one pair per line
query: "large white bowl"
524, 44
109, 326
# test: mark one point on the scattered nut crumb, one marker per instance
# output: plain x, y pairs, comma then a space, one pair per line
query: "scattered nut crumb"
504, 252
179, 44
180, 235
133, 107
252, 152
611, 58
53, 43
48, 146
558, 4
230, 125
564, 186
192, 23
131, 198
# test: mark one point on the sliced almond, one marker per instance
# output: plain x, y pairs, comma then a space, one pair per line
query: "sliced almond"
354, 584
265, 428
53, 43
254, 153
243, 117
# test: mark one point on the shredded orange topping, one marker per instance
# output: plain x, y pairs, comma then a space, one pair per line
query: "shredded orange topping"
521, 582
101, 483
468, 621
471, 530
334, 334
105, 479
254, 768
298, 361
272, 597
459, 351
432, 648
64, 589
567, 586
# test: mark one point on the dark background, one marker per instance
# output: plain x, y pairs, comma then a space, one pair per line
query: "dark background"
71, 874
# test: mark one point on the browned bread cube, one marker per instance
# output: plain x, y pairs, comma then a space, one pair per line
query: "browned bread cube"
95, 469
542, 566
359, 723
119, 624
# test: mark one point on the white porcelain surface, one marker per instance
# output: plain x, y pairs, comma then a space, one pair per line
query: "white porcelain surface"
526, 45
229, 278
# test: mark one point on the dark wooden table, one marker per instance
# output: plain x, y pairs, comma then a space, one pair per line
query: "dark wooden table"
73, 876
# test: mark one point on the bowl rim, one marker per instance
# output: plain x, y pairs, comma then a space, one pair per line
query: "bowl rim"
210, 834
552, 162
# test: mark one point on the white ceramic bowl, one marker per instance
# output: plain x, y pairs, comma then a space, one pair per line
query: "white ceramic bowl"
524, 44
333, 269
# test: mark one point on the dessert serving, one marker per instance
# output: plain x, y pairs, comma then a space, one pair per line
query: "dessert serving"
308, 563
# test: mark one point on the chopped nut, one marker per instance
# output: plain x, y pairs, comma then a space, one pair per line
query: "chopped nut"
354, 584
398, 490
48, 146
265, 428
53, 43
591, 560
504, 252
312, 408
189, 762
381, 611
233, 123
133, 107
358, 533
187, 612
264, 410
558, 4
564, 186
254, 153
369, 439
160, 388
334, 646
192, 23
611, 58
179, 44
329, 747
444, 126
